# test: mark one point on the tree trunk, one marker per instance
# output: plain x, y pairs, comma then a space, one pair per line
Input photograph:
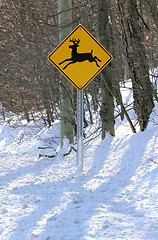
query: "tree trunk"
66, 89
107, 106
24, 108
137, 60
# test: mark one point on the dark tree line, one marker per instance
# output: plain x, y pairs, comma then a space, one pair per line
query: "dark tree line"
26, 81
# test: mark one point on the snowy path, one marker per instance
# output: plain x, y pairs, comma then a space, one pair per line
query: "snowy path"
115, 197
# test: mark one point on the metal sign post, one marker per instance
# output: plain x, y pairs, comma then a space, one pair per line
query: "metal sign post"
80, 129
80, 58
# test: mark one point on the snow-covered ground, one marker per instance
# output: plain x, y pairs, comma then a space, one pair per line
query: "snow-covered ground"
115, 197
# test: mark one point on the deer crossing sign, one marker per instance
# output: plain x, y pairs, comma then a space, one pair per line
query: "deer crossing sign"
80, 57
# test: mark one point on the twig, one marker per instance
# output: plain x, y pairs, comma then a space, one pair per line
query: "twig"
153, 161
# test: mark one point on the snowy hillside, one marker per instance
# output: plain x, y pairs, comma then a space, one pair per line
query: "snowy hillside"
115, 198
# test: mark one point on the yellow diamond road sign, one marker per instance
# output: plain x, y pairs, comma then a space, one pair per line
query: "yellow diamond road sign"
80, 57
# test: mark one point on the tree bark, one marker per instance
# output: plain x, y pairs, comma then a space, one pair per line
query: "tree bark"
66, 89
137, 60
107, 105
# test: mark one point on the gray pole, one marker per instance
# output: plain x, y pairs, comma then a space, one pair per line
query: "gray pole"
80, 129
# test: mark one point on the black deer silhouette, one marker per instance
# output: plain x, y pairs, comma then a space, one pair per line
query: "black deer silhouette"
79, 57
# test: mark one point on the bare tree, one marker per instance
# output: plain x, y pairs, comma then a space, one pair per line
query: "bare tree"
137, 60
66, 111
107, 106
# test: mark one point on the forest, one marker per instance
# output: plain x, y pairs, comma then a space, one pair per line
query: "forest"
46, 193
31, 86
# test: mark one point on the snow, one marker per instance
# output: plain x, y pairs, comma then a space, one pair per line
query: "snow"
115, 197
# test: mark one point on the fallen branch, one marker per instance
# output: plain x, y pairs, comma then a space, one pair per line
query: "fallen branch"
45, 155
48, 156
44, 147
70, 150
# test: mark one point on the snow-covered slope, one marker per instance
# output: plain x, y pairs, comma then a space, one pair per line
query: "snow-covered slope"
116, 196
